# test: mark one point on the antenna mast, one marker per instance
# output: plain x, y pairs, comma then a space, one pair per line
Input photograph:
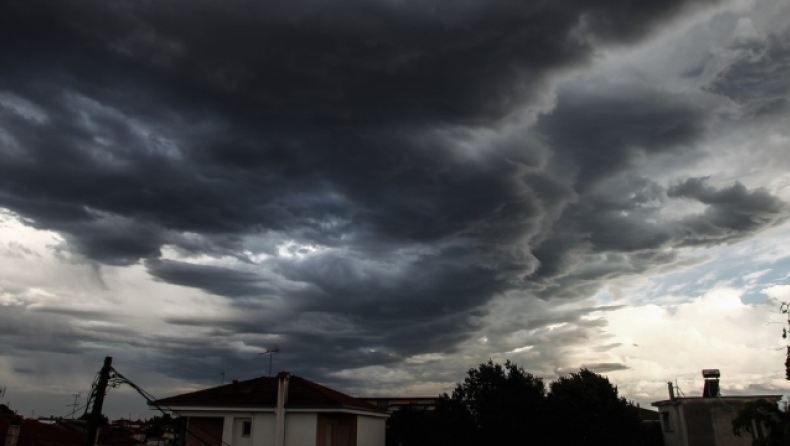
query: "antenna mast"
74, 406
270, 352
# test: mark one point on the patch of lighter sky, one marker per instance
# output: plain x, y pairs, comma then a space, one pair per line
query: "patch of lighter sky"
171, 252
23, 108
705, 324
283, 248
298, 251
666, 59
91, 110
716, 330
407, 380
38, 275
425, 358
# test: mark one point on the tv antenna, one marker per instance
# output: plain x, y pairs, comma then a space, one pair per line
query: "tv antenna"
74, 406
270, 352
223, 377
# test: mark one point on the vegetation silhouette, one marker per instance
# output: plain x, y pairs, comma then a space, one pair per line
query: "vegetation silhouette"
504, 404
765, 422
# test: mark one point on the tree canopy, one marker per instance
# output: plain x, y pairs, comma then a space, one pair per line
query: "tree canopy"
504, 404
767, 425
590, 404
501, 402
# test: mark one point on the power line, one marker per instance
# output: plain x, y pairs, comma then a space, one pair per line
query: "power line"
154, 402
74, 406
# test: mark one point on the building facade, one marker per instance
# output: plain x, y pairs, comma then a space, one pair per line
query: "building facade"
705, 420
282, 411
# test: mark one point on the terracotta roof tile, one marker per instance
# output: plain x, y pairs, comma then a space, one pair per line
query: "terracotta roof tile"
262, 392
34, 433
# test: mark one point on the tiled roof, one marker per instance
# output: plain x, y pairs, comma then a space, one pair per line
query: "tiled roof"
33, 433
262, 392
64, 432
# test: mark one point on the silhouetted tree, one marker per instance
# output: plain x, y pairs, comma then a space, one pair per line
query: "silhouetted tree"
586, 409
503, 404
410, 426
767, 425
500, 403
102, 420
652, 434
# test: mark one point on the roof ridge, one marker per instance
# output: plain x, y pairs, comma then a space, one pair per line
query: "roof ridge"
262, 392
334, 393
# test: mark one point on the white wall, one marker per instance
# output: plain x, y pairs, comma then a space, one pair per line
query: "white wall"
371, 431
263, 429
672, 431
238, 430
301, 429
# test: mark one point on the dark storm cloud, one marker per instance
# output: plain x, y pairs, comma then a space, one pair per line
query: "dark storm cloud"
615, 227
757, 78
380, 132
599, 134
355, 302
612, 226
384, 76
215, 280
730, 212
347, 61
23, 331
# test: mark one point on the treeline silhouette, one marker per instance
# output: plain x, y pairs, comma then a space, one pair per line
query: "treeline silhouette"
504, 405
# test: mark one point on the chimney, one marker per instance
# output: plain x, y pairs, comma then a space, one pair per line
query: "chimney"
282, 399
711, 387
671, 390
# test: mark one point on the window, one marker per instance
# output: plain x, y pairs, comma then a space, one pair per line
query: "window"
246, 428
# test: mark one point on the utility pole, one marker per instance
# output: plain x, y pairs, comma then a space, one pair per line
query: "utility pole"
101, 389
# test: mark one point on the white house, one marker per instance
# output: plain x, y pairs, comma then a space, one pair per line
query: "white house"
282, 411
705, 420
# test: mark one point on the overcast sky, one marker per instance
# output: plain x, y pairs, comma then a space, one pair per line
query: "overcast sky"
391, 192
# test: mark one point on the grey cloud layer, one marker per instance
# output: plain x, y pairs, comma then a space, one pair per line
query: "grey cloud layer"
381, 132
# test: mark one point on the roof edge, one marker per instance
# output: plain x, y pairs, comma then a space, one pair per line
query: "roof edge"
700, 398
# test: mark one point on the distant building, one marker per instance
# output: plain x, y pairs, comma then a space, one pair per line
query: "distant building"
19, 431
282, 411
393, 403
706, 420
648, 415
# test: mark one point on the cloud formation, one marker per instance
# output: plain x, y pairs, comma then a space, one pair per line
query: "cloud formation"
364, 183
